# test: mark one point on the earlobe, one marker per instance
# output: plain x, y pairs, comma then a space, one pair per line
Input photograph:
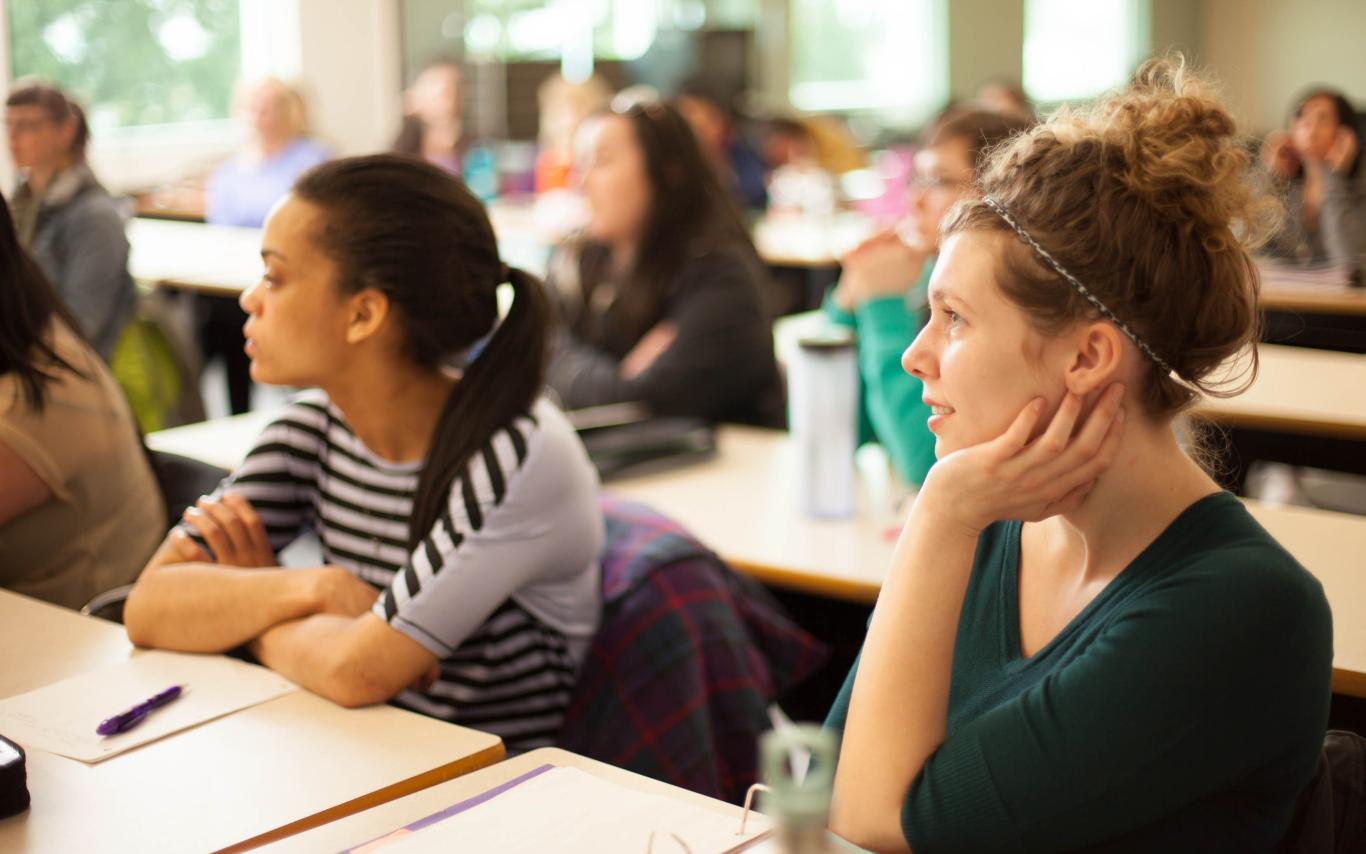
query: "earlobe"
369, 308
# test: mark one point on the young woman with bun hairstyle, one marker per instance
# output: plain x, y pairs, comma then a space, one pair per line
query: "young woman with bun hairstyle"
1082, 641
457, 510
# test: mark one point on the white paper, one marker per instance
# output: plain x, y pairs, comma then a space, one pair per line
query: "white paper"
569, 810
61, 717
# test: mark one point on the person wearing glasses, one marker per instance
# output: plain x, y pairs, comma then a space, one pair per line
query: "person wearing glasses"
881, 291
63, 215
660, 295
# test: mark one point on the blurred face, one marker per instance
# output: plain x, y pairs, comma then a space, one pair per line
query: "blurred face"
943, 175
1313, 129
435, 96
36, 140
296, 332
266, 113
615, 182
979, 359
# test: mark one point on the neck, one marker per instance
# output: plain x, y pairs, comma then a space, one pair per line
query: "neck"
270, 146
1150, 483
40, 177
392, 408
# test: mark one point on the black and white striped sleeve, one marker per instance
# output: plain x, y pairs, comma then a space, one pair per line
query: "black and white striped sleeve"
522, 521
279, 475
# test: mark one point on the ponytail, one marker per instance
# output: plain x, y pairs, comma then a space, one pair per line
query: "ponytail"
500, 384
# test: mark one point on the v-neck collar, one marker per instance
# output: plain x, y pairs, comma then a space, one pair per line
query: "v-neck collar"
1135, 572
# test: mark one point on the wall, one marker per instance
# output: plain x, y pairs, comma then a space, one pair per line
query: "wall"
1266, 51
350, 64
986, 40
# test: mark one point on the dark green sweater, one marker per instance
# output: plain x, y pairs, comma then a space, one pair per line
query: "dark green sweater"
1182, 710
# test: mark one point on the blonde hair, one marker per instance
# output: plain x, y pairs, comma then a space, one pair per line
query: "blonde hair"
1147, 197
291, 100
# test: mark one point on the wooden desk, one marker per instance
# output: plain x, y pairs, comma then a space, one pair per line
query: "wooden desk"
380, 820
1301, 391
252, 777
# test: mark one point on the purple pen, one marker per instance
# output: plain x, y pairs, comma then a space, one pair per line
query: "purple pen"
125, 721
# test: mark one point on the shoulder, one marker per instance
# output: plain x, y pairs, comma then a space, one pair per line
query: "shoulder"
306, 151
304, 422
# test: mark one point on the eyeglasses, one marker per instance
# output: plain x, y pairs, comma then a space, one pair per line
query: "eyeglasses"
927, 183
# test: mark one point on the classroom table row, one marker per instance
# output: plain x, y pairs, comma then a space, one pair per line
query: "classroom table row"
846, 559
297, 764
225, 260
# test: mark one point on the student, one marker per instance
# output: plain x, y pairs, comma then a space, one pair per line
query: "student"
881, 292
432, 127
241, 192
739, 167
1318, 164
660, 296
1082, 642
458, 516
65, 218
79, 508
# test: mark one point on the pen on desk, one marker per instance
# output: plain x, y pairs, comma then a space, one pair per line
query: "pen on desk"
125, 721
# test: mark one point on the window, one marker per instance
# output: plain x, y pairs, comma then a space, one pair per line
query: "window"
887, 56
1077, 49
132, 63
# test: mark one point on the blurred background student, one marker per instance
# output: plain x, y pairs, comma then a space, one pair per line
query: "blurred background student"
64, 216
739, 166
432, 128
563, 106
660, 295
881, 292
80, 511
241, 192
1318, 165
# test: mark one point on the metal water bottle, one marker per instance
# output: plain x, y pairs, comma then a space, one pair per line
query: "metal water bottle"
823, 417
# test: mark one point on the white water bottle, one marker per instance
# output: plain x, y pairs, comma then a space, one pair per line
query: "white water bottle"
822, 388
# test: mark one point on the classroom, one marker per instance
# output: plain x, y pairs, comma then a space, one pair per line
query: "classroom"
683, 426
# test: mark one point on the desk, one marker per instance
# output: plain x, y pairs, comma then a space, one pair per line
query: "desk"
252, 777
380, 820
209, 259
1302, 391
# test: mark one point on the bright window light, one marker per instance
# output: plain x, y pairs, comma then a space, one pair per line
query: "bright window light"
1077, 49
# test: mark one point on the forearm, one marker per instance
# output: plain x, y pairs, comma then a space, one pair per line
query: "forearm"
352, 661
204, 607
899, 705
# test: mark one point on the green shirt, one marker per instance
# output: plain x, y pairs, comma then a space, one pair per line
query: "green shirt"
1182, 710
885, 327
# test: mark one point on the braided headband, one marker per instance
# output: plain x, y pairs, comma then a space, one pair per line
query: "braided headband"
1095, 302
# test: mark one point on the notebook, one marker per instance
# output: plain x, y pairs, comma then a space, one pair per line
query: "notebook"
563, 809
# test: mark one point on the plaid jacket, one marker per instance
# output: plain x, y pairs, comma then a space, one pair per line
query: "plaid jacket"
678, 680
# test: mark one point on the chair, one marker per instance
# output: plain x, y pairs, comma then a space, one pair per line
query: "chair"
1330, 815
181, 481
686, 662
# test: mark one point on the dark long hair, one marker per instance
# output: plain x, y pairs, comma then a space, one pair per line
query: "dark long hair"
407, 228
690, 215
28, 305
1346, 114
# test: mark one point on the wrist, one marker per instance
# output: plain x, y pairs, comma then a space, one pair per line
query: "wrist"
947, 515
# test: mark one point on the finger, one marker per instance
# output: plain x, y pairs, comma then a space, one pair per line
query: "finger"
256, 529
212, 534
231, 524
1057, 436
1090, 436
186, 549
1090, 469
1016, 436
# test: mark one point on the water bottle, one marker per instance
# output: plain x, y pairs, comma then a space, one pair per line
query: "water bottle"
799, 800
823, 416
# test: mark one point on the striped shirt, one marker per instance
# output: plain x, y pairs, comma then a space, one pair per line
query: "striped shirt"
504, 589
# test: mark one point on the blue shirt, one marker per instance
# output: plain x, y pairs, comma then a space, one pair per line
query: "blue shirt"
242, 191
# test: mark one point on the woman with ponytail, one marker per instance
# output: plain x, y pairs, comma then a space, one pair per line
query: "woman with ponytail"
456, 508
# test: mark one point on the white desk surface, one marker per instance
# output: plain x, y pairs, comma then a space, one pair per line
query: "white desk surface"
256, 775
212, 259
380, 820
